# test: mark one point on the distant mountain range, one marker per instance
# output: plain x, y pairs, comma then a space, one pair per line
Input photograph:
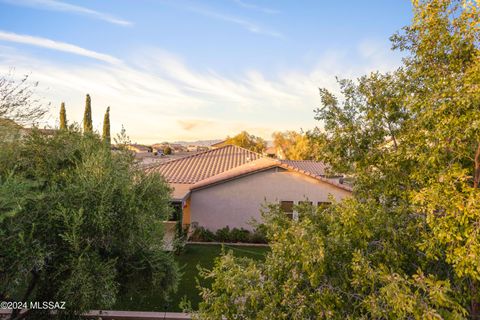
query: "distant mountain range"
205, 143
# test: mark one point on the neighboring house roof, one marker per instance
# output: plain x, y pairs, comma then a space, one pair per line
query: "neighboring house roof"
44, 131
9, 123
138, 148
218, 144
314, 172
314, 167
226, 163
247, 168
271, 150
203, 165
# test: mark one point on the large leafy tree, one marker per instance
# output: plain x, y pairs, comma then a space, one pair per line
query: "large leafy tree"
247, 141
79, 221
406, 245
294, 145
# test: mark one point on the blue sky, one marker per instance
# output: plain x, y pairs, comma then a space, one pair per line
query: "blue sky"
187, 70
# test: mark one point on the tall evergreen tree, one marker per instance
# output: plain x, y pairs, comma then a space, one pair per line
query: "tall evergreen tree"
106, 126
87, 116
63, 117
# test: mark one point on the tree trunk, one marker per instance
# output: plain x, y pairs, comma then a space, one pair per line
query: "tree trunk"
476, 176
475, 305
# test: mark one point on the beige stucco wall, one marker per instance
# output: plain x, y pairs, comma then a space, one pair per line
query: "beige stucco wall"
235, 202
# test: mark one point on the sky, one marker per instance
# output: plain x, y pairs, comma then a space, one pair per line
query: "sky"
194, 70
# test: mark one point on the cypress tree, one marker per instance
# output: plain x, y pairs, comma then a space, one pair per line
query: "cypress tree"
87, 116
63, 117
106, 127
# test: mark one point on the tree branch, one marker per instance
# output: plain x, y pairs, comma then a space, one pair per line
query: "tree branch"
476, 179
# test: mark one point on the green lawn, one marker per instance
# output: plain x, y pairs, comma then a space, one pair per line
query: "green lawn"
195, 254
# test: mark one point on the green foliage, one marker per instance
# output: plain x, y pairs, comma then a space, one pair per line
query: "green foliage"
106, 127
247, 141
230, 235
82, 221
294, 145
167, 150
239, 235
223, 234
202, 234
87, 116
406, 244
63, 117
322, 266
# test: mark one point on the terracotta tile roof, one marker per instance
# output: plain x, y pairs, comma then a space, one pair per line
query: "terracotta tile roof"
316, 172
247, 168
218, 144
226, 163
313, 167
200, 166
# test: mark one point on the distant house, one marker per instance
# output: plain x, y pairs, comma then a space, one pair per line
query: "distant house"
192, 148
274, 152
176, 147
138, 148
197, 148
10, 130
158, 152
218, 144
45, 131
228, 185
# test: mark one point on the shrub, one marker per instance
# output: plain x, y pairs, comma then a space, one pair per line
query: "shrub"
202, 235
259, 235
223, 235
80, 221
226, 234
240, 235
180, 238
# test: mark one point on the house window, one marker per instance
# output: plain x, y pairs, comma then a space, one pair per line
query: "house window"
177, 212
323, 205
287, 207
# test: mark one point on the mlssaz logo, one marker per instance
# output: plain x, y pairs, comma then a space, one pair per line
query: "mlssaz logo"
47, 305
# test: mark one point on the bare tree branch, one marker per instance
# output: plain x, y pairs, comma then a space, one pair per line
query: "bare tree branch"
17, 101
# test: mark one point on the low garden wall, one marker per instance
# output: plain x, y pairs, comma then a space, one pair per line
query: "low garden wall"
120, 315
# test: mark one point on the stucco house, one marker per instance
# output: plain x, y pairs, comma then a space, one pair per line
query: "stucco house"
228, 185
138, 148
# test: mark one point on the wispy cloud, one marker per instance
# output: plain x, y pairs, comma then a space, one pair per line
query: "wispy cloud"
255, 7
247, 25
158, 97
243, 23
56, 45
55, 5
190, 124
